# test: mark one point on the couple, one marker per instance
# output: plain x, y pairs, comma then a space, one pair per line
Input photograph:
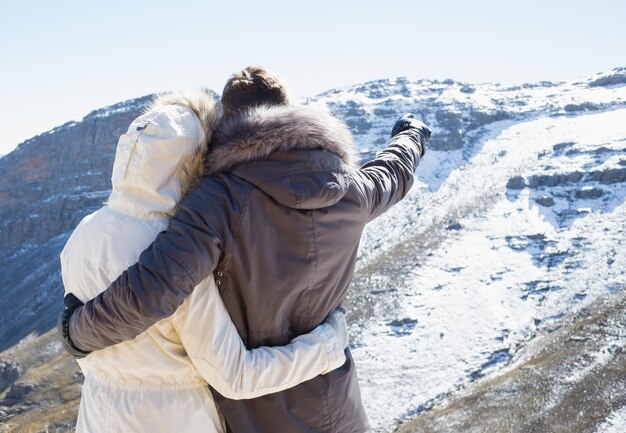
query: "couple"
260, 209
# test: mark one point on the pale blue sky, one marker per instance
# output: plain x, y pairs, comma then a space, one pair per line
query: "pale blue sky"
61, 59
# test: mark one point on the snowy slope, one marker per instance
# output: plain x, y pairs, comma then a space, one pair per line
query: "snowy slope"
520, 226
614, 424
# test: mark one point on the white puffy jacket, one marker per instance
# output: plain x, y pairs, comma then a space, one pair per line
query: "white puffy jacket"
158, 381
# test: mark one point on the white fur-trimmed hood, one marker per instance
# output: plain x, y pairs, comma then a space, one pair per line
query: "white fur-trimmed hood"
257, 133
209, 113
161, 156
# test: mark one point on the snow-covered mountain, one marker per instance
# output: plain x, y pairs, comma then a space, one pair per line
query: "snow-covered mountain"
516, 221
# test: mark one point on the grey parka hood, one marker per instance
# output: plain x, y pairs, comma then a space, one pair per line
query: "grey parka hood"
301, 157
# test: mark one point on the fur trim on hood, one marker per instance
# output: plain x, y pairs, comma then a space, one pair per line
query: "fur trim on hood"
209, 112
257, 133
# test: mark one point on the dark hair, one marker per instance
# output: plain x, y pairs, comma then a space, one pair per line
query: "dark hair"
252, 87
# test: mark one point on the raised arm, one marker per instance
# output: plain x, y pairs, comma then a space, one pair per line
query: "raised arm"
167, 271
388, 177
220, 356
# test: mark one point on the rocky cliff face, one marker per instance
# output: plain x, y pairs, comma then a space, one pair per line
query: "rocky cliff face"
47, 185
516, 220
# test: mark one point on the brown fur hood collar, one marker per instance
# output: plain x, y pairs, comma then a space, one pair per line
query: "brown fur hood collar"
259, 132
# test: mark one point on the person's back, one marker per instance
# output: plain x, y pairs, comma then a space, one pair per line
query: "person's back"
301, 211
304, 206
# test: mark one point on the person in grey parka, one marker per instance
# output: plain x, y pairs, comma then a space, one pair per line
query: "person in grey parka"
277, 219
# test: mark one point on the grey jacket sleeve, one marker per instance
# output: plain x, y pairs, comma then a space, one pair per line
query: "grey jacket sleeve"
152, 289
389, 176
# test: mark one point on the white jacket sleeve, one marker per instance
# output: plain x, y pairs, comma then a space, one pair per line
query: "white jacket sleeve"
216, 350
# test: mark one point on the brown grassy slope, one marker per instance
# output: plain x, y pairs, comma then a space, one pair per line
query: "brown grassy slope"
52, 403
569, 379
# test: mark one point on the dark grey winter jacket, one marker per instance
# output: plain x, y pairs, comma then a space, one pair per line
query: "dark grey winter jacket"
278, 220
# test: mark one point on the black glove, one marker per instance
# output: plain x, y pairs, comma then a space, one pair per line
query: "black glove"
408, 122
72, 303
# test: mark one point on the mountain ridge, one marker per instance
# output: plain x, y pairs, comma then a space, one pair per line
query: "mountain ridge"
529, 153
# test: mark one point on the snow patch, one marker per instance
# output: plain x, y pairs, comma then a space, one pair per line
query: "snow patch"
616, 423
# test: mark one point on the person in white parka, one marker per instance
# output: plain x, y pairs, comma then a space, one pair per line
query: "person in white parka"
158, 381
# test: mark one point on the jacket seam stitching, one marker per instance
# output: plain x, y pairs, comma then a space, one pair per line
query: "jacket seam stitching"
189, 272
328, 415
278, 176
315, 252
274, 331
360, 190
295, 190
246, 202
327, 353
109, 411
137, 167
312, 281
340, 417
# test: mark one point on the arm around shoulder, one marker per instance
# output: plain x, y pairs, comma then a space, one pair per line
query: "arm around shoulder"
220, 356
166, 273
